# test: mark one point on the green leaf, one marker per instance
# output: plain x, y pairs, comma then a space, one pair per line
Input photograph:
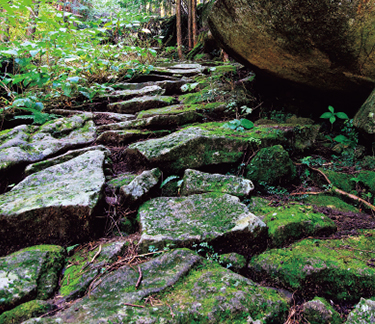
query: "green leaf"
332, 119
330, 108
342, 115
341, 139
247, 124
34, 52
326, 115
170, 178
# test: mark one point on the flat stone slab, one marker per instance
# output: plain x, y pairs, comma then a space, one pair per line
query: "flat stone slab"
140, 186
292, 222
126, 136
142, 103
216, 218
196, 182
31, 273
363, 312
186, 287
207, 144
27, 143
152, 90
84, 267
38, 166
55, 204
340, 270
171, 87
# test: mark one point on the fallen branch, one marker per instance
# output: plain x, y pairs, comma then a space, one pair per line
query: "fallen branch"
96, 254
132, 305
338, 191
140, 278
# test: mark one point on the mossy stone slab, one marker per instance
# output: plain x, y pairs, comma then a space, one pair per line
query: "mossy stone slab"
195, 182
216, 218
25, 311
271, 165
337, 269
203, 109
126, 136
83, 268
140, 186
292, 222
31, 273
121, 180
151, 90
363, 312
319, 311
24, 144
233, 261
206, 144
38, 166
142, 103
55, 204
171, 87
187, 289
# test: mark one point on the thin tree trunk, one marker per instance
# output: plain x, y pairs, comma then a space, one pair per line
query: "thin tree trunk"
178, 27
190, 5
194, 22
33, 16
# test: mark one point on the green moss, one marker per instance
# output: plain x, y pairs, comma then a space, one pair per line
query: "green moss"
215, 293
319, 311
271, 165
336, 269
25, 311
340, 180
292, 222
192, 98
121, 180
330, 201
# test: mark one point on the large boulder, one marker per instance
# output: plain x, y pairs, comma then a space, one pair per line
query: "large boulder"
55, 205
325, 44
176, 287
31, 273
216, 218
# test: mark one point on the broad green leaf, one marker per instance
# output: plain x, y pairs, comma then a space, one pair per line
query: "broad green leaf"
170, 178
247, 124
74, 79
341, 139
342, 115
332, 119
331, 109
326, 115
10, 52
34, 52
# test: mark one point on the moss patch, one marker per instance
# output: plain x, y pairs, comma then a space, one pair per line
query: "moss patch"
25, 311
336, 269
331, 201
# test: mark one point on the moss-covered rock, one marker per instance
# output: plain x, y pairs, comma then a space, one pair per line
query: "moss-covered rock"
271, 165
363, 312
364, 119
292, 222
207, 144
233, 261
25, 311
330, 201
38, 166
142, 103
122, 180
195, 182
123, 137
83, 268
171, 87
151, 90
319, 311
140, 186
336, 269
216, 218
31, 273
184, 287
53, 205
24, 144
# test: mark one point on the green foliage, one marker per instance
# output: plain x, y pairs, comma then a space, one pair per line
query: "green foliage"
331, 115
239, 125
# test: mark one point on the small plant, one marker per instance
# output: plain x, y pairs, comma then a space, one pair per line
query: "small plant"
171, 178
239, 125
331, 115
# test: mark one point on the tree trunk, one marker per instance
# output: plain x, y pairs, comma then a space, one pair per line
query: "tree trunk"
194, 22
34, 13
190, 32
178, 27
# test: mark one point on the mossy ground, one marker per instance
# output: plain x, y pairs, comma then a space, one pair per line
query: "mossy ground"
337, 269
25, 311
